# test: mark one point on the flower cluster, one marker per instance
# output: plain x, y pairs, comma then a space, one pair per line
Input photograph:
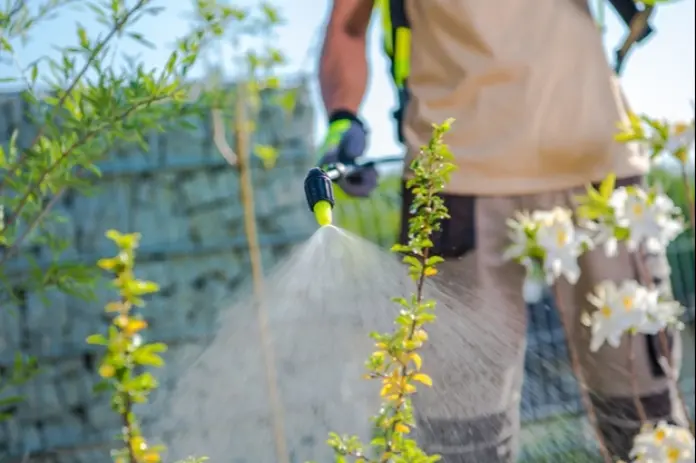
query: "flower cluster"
680, 137
637, 217
664, 443
548, 245
628, 308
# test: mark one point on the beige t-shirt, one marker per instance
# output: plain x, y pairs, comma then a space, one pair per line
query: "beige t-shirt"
535, 102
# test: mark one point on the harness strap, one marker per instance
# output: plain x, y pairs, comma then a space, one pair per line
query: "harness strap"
397, 45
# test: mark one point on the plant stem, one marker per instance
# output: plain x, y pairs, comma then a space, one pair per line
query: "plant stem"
672, 376
404, 366
30, 227
668, 367
580, 377
420, 283
128, 428
642, 416
241, 136
689, 198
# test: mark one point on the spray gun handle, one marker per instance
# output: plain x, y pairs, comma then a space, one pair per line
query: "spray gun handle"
335, 171
318, 185
339, 171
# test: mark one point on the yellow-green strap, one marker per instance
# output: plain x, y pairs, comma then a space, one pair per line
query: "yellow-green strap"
386, 25
397, 44
402, 56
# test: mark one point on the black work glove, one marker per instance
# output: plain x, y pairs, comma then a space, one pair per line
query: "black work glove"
346, 142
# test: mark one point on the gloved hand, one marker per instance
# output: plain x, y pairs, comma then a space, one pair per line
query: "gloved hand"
345, 143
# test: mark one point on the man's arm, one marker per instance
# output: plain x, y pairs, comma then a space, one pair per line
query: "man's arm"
343, 64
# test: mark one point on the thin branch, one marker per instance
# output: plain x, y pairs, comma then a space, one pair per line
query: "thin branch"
670, 371
18, 6
637, 402
689, 198
220, 138
30, 228
646, 280
246, 192
127, 424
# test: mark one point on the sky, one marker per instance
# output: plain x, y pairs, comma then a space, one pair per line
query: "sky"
659, 78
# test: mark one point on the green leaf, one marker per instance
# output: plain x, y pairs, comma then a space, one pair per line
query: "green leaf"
267, 154
82, 35
140, 38
97, 340
101, 386
606, 188
400, 248
141, 288
143, 382
5, 45
124, 241
34, 73
10, 401
148, 359
147, 355
434, 260
415, 264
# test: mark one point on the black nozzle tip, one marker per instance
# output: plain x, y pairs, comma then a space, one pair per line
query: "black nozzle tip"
318, 187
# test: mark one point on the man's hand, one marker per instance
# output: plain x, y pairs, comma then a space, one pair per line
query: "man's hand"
345, 143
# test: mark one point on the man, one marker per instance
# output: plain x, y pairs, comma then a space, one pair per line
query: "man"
536, 108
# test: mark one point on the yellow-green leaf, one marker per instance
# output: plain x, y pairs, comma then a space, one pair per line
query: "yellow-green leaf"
417, 360
606, 188
97, 340
423, 379
108, 263
402, 428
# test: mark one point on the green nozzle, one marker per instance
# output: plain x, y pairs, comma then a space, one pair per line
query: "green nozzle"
319, 192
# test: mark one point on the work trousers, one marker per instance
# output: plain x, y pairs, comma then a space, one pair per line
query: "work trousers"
472, 412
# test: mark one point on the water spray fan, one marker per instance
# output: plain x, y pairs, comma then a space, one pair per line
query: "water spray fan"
318, 185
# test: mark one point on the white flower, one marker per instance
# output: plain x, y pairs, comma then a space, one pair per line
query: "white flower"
681, 137
561, 242
664, 443
659, 314
652, 220
519, 230
619, 309
628, 307
604, 235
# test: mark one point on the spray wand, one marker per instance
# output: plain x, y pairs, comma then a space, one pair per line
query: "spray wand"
318, 185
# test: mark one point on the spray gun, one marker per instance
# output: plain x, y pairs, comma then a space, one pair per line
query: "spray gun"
318, 185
